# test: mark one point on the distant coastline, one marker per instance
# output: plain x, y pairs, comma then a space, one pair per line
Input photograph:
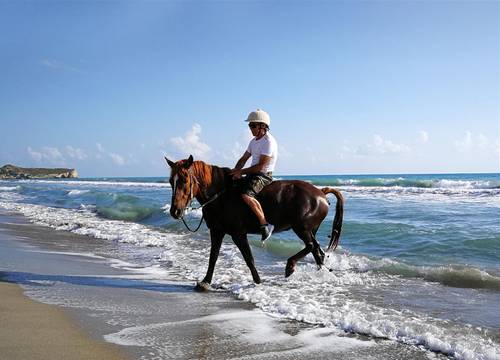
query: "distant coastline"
15, 172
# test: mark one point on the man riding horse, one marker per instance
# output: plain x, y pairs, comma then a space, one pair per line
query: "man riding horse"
263, 149
288, 204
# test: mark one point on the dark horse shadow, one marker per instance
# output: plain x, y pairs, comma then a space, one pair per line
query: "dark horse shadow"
288, 204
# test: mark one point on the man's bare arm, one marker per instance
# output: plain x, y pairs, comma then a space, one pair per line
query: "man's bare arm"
242, 161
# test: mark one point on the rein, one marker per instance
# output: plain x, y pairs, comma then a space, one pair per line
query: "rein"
191, 197
187, 226
200, 207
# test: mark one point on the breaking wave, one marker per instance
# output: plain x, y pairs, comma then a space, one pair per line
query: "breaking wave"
9, 188
77, 192
125, 207
409, 183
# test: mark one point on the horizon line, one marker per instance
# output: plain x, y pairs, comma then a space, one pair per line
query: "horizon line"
344, 174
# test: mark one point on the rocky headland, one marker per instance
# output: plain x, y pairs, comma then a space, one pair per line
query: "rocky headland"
16, 172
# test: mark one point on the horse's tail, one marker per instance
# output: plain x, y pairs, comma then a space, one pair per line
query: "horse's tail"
337, 220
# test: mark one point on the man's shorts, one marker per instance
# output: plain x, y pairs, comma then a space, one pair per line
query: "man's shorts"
252, 184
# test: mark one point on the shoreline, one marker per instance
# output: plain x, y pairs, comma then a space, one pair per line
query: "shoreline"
32, 330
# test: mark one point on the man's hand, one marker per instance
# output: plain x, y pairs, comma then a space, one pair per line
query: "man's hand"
236, 174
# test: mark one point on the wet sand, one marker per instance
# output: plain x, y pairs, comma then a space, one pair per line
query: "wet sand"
152, 319
31, 330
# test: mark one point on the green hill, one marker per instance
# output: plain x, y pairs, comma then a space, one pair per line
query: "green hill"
16, 172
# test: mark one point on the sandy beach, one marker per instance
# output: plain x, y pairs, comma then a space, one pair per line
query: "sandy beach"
31, 330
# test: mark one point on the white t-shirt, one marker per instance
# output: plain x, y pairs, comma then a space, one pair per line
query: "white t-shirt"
266, 145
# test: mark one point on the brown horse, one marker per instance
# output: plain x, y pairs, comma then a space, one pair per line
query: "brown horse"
290, 204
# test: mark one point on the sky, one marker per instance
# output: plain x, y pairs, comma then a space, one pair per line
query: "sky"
352, 87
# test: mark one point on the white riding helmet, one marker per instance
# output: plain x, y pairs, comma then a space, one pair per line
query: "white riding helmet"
259, 116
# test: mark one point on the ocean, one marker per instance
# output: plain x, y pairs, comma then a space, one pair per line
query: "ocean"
418, 261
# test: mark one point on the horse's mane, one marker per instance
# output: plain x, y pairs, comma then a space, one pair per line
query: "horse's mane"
211, 176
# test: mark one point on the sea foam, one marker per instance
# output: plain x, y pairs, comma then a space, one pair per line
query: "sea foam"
9, 188
76, 192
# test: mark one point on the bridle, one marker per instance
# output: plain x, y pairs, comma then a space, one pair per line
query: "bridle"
193, 179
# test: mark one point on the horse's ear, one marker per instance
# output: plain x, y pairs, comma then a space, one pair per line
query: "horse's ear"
188, 162
170, 163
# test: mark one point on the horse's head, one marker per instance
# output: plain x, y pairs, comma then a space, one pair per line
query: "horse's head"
182, 182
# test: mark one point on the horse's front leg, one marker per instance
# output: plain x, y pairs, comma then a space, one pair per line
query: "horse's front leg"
241, 242
216, 242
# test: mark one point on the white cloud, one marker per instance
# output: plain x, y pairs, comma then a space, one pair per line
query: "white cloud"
51, 63
132, 159
483, 142
380, 146
465, 143
497, 150
283, 152
117, 159
238, 150
312, 155
165, 154
234, 152
47, 154
58, 65
423, 137
191, 143
53, 154
100, 150
99, 147
475, 142
344, 152
35, 155
76, 153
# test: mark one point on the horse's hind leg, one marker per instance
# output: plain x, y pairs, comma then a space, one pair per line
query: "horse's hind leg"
309, 237
290, 264
241, 242
318, 253
311, 246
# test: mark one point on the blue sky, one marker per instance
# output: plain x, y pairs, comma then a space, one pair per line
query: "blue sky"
351, 87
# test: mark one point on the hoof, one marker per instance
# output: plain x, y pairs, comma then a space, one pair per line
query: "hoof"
203, 286
290, 268
289, 271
